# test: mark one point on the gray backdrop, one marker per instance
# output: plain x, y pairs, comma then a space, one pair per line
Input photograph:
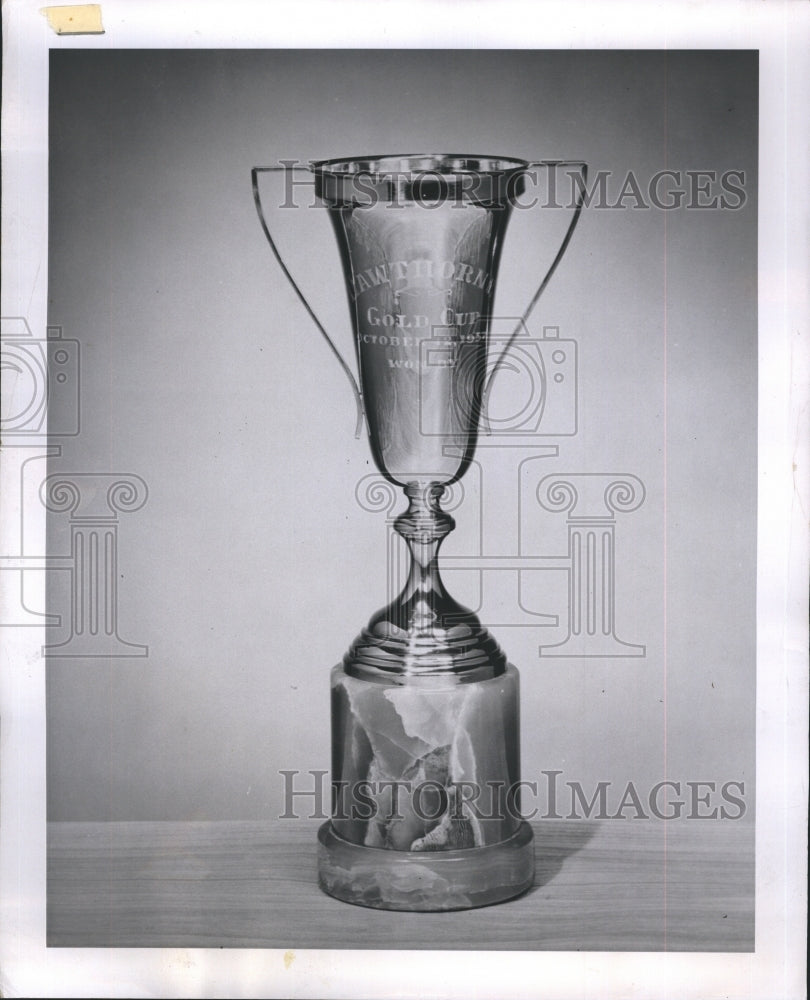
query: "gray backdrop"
252, 565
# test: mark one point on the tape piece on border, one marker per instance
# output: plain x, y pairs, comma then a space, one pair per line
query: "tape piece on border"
81, 19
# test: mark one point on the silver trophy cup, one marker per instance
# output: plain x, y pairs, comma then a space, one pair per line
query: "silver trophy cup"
425, 722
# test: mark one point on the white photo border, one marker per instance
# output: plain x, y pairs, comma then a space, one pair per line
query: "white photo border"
780, 30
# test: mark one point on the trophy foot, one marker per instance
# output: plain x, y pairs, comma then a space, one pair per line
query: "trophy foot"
425, 881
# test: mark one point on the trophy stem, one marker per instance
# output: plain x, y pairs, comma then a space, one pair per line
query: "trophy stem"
424, 633
424, 526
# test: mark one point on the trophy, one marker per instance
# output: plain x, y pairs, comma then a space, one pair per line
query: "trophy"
425, 726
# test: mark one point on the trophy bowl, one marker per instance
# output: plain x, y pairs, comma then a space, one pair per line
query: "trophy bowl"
425, 707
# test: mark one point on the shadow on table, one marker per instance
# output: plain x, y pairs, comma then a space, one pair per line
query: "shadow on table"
553, 843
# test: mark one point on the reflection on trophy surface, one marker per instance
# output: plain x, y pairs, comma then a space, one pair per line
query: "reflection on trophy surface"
425, 738
413, 294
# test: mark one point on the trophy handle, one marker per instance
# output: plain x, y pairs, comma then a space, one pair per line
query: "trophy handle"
358, 398
580, 198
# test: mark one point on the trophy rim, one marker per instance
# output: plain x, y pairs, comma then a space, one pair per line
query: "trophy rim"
446, 164
432, 178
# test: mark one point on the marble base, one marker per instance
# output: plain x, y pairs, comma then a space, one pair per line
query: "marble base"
425, 766
429, 881
425, 780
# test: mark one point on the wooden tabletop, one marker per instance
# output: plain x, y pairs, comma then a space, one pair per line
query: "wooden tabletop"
611, 885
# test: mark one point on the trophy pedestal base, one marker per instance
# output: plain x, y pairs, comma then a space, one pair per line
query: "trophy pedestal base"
425, 780
425, 881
